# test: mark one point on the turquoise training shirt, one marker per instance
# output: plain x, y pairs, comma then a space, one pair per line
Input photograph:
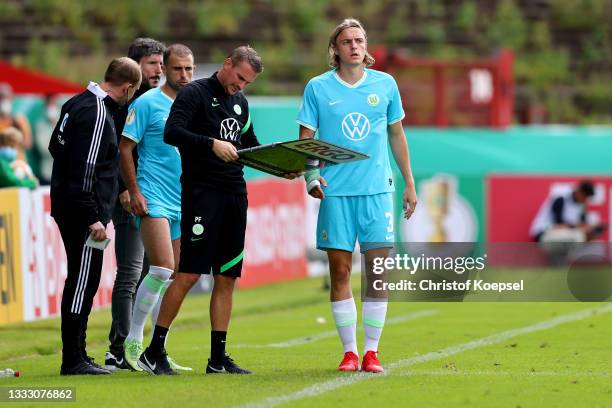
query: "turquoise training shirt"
356, 117
159, 164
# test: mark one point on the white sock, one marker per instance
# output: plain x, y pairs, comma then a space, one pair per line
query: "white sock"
146, 298
373, 322
345, 316
155, 311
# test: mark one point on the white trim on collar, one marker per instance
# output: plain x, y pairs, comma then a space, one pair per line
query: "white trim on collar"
356, 84
96, 90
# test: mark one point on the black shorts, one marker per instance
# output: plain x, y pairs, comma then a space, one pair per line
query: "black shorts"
213, 225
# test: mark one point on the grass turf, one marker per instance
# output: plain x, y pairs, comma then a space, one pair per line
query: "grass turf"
276, 331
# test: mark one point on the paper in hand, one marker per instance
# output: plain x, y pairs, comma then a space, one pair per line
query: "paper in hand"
97, 244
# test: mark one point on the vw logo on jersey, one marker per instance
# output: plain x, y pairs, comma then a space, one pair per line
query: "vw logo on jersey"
229, 129
356, 126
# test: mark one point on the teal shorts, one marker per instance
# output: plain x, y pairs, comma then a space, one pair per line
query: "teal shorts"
344, 219
173, 217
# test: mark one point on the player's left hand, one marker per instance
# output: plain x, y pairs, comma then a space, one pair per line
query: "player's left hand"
138, 203
409, 199
317, 192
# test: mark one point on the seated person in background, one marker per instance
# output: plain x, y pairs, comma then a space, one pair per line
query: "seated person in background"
562, 217
10, 119
14, 172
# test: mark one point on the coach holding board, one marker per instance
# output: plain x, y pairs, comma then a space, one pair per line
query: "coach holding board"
208, 121
83, 193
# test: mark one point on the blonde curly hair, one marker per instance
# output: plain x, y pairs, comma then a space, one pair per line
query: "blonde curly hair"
333, 58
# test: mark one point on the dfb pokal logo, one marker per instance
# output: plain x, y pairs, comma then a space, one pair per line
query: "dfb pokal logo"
356, 126
229, 129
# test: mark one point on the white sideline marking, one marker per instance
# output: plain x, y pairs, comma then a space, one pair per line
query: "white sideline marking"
321, 388
492, 373
324, 335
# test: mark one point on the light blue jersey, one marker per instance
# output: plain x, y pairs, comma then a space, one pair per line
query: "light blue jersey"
356, 117
159, 164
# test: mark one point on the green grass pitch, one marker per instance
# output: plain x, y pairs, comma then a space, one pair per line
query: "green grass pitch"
436, 355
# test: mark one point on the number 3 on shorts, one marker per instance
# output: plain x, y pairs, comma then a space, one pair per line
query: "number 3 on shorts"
389, 216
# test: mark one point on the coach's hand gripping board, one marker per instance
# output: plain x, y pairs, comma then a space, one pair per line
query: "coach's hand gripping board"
282, 158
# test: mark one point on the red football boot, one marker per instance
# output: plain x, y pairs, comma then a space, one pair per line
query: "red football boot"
350, 362
370, 363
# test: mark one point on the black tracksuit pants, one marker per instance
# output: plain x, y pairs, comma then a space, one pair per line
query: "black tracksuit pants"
84, 269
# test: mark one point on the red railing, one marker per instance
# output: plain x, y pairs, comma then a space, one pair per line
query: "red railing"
453, 92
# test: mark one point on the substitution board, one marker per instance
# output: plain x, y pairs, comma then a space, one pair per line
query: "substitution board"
282, 158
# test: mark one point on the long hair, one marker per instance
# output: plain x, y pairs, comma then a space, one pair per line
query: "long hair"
333, 58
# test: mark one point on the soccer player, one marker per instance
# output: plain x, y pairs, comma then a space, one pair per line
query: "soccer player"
83, 193
129, 250
208, 121
155, 193
361, 109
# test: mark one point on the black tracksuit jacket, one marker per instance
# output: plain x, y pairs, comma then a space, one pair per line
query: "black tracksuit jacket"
86, 158
201, 112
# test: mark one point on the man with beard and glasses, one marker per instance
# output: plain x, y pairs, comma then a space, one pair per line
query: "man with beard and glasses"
155, 190
83, 193
129, 250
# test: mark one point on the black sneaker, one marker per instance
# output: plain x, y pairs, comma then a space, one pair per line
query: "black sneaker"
155, 364
92, 362
112, 363
228, 366
82, 368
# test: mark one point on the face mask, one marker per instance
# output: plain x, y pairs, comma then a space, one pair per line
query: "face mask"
6, 107
52, 113
8, 153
